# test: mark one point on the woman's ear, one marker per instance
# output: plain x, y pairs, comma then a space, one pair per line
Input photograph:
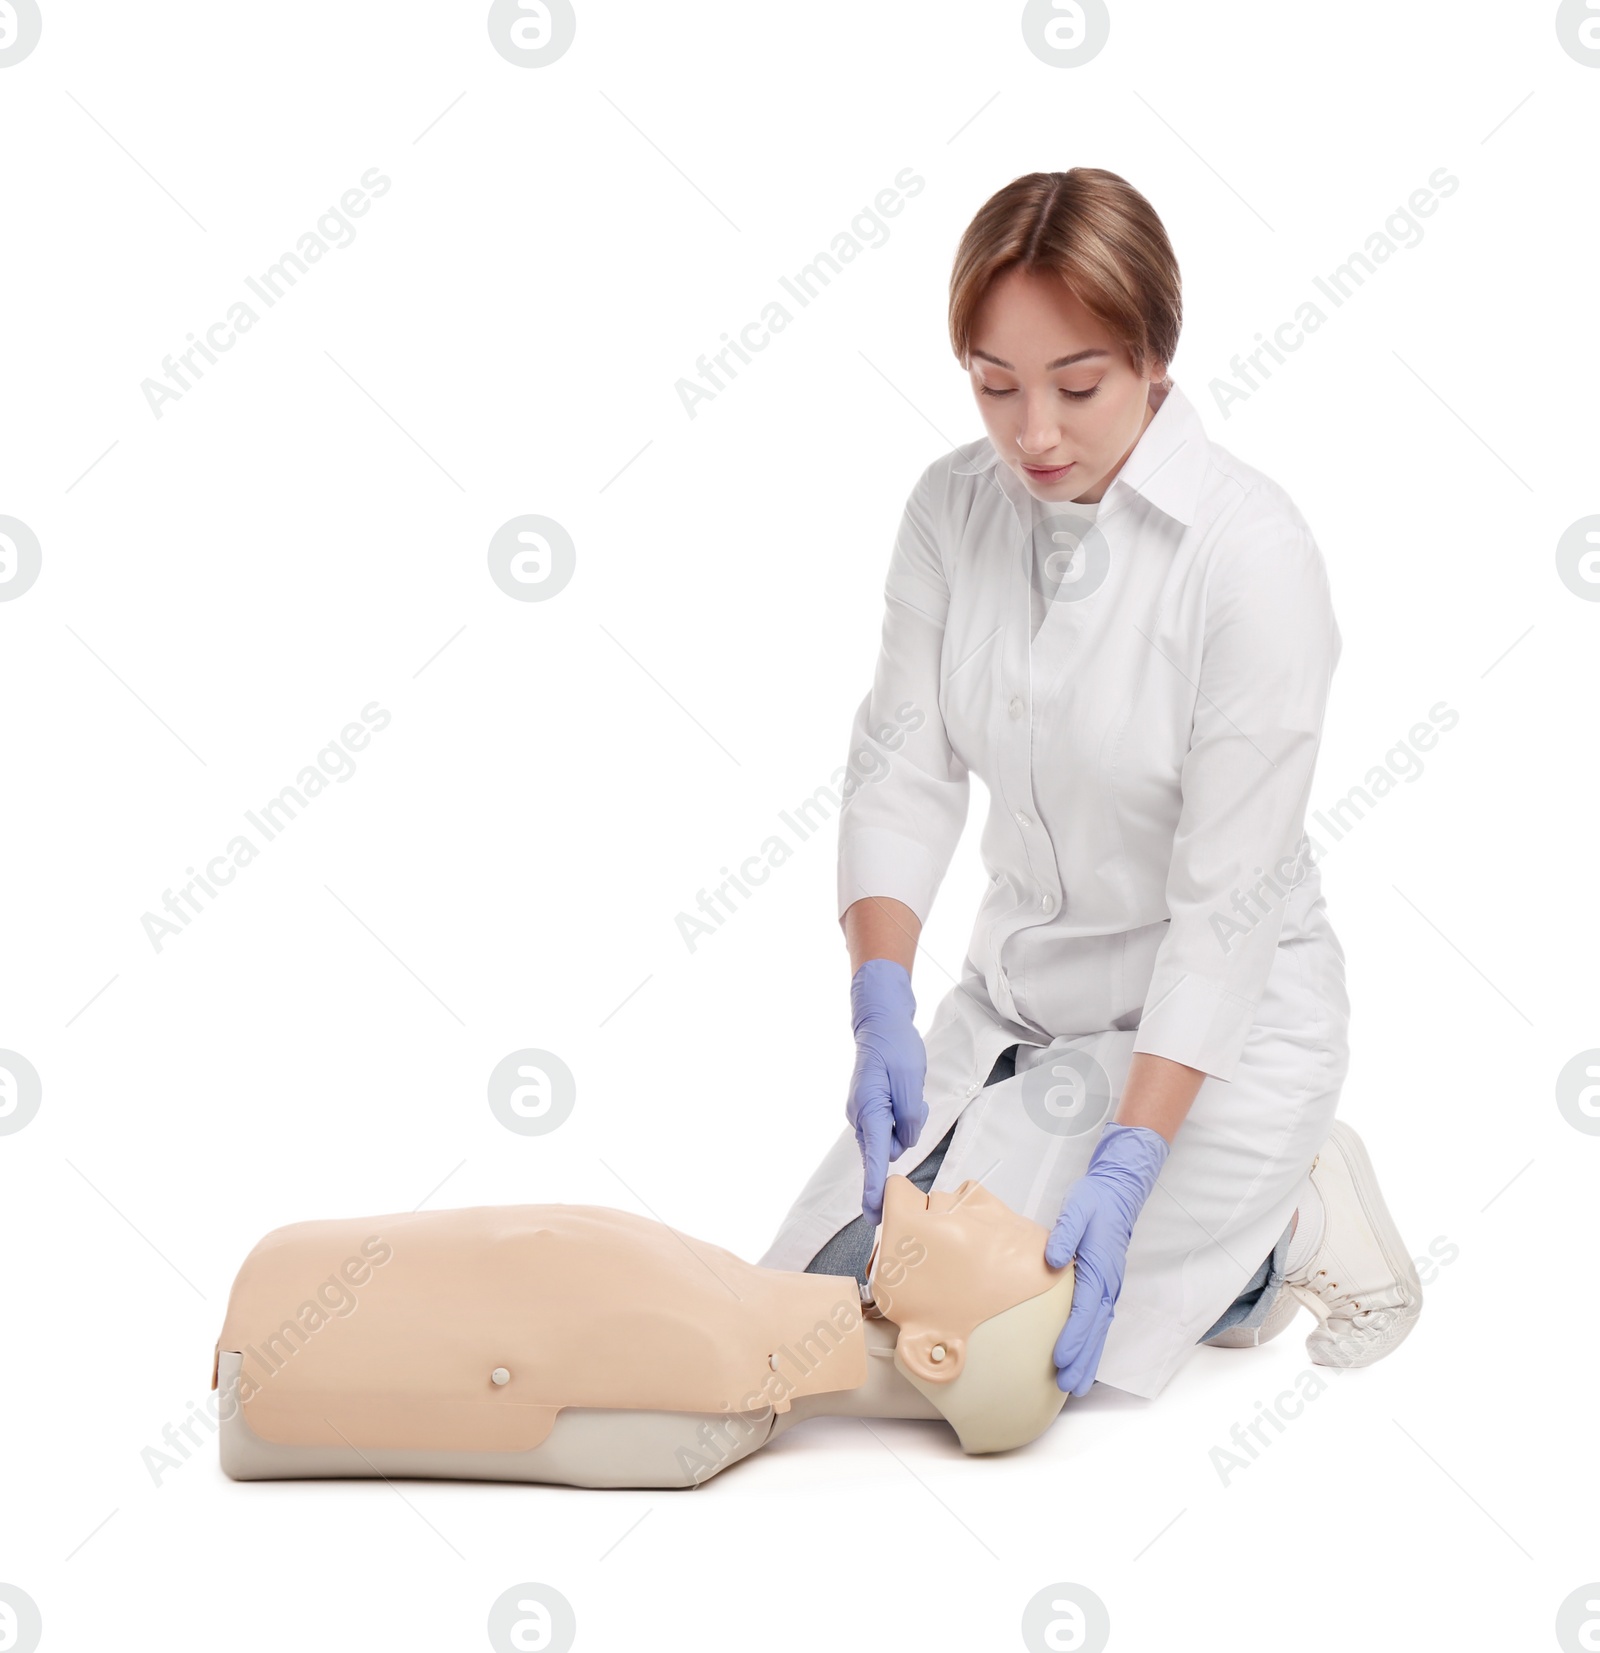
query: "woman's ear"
931, 1357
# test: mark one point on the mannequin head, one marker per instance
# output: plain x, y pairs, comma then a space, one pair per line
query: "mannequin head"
964, 1278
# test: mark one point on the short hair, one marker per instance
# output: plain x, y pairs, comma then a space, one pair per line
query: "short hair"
1095, 231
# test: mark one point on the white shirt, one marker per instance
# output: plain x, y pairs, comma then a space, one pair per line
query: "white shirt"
1148, 755
1058, 536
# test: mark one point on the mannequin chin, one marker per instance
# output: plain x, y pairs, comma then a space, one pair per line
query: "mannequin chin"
590, 1347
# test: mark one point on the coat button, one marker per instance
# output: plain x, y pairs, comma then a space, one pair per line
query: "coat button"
1015, 708
1024, 819
1048, 902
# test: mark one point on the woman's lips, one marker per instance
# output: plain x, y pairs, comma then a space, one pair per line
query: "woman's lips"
1049, 474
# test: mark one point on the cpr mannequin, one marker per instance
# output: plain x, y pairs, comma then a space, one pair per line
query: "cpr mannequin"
590, 1347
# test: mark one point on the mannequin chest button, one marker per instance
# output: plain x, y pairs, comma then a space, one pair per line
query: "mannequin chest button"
500, 1376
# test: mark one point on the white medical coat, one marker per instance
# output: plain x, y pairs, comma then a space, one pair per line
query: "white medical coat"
1148, 757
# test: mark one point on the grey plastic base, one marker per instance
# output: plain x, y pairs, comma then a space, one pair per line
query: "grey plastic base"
586, 1446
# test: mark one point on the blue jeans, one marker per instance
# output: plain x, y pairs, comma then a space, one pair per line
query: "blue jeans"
849, 1250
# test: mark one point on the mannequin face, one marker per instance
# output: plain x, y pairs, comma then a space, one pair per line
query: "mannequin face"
1055, 389
948, 1261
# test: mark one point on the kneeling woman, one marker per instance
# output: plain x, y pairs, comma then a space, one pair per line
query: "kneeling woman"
1126, 633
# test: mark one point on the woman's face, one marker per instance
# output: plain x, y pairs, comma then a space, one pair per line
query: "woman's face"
1055, 389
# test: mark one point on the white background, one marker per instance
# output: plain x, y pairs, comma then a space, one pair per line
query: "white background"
305, 531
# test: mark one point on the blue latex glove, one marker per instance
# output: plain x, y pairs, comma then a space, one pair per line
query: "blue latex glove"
1096, 1226
885, 1106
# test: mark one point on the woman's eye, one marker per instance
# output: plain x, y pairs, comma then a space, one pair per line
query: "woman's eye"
1075, 395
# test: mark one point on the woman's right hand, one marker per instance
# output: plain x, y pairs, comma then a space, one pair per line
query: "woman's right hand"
886, 1107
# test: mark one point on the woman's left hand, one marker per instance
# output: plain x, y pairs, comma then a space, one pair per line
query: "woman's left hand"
1096, 1226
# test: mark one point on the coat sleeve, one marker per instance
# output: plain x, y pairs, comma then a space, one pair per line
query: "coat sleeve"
1270, 644
905, 790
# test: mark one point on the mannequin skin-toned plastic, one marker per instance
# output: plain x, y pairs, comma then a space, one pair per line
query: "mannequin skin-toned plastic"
589, 1347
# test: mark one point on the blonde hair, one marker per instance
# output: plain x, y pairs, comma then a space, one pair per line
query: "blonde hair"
1095, 231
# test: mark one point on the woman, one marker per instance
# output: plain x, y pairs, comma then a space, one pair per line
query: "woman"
1126, 633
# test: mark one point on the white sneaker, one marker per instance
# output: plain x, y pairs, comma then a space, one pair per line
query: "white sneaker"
1361, 1284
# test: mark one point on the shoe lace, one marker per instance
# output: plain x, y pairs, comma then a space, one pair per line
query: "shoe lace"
1325, 1288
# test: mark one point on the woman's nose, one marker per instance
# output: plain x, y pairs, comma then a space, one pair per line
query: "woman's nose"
1039, 433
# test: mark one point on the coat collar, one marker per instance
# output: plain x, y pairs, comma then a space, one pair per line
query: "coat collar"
1167, 466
